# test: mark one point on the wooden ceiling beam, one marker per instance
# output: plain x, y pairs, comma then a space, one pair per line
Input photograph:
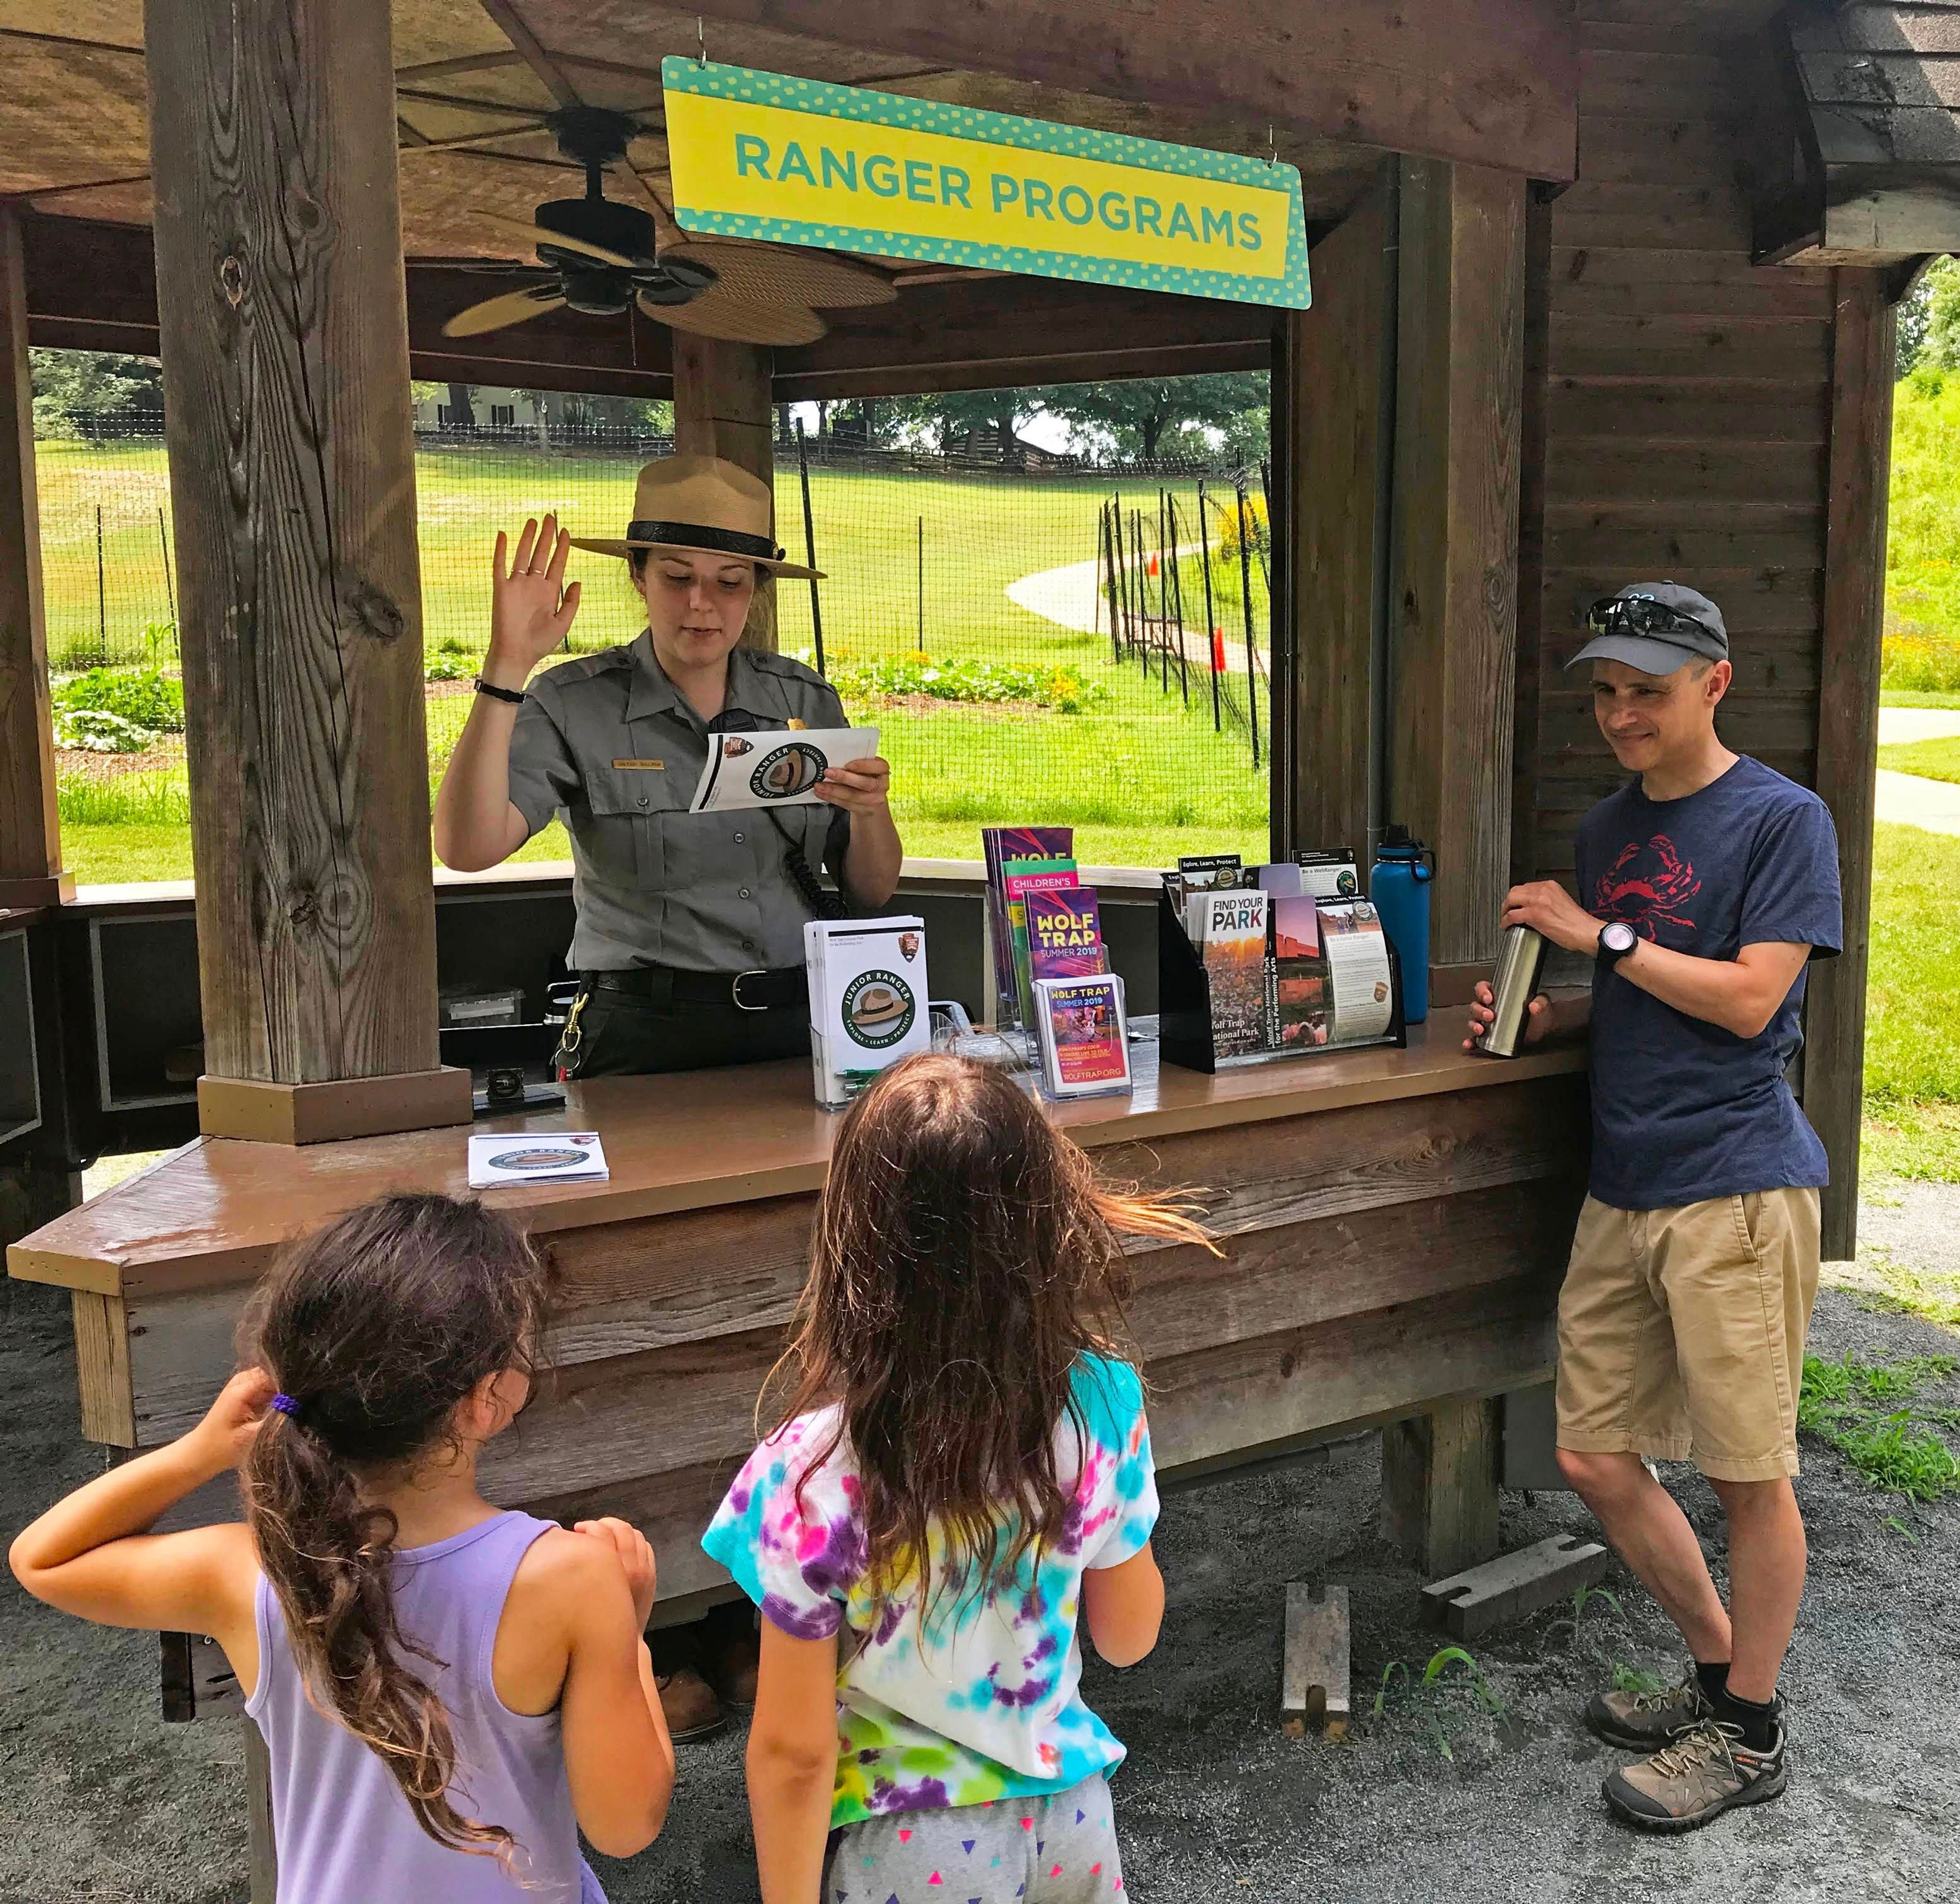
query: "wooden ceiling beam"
1499, 87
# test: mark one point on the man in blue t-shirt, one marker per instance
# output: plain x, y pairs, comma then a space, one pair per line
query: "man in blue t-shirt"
1706, 885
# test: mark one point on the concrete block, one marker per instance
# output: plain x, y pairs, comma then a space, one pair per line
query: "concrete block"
1470, 1604
1313, 1675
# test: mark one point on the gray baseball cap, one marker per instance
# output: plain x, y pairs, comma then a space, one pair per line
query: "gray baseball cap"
1656, 627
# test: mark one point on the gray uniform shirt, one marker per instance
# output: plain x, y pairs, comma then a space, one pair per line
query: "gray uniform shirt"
610, 743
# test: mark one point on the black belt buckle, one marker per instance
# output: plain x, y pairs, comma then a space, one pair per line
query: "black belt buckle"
735, 989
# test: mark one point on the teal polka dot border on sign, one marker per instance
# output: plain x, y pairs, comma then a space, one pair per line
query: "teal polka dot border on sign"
1291, 290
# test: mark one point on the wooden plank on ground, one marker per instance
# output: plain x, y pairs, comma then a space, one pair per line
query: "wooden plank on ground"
1314, 1667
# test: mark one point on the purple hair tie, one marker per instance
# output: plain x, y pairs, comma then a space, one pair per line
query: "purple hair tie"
286, 1406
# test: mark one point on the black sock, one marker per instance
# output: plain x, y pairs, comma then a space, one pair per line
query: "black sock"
1714, 1679
1758, 1722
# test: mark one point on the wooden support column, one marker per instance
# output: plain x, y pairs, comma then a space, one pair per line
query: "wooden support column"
1848, 733
722, 408
30, 861
1453, 565
1335, 438
284, 345
1439, 1486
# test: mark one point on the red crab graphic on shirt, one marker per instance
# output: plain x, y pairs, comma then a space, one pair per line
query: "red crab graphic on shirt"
1647, 886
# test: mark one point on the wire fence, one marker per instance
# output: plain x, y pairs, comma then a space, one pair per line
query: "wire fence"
1038, 640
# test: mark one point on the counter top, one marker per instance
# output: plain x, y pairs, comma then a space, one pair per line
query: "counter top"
217, 1210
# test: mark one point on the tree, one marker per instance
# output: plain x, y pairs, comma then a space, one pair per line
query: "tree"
95, 393
462, 417
947, 418
1149, 416
1940, 287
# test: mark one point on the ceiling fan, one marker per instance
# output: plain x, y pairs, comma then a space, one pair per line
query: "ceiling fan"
601, 257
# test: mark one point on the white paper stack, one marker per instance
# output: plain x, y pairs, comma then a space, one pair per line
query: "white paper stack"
499, 1157
867, 1000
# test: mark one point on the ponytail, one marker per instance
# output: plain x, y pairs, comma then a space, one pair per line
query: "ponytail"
377, 1327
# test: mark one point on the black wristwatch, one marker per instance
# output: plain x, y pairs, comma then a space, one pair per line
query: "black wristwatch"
1616, 938
515, 696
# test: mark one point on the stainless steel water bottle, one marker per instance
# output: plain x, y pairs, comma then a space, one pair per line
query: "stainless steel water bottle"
1514, 986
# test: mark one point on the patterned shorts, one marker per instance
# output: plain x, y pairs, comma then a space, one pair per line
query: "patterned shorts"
1061, 1850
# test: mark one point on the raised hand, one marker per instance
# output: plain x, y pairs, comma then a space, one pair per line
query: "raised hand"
531, 609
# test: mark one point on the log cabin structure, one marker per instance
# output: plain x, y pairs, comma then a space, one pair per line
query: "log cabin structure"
1587, 309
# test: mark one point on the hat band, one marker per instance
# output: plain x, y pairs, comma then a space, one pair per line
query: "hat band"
721, 542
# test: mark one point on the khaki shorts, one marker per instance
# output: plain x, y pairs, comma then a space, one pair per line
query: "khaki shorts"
1681, 1332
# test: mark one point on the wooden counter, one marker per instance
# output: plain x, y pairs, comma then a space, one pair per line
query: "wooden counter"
1398, 1222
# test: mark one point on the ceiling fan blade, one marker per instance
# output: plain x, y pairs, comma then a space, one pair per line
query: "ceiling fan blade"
509, 307
539, 234
718, 312
785, 274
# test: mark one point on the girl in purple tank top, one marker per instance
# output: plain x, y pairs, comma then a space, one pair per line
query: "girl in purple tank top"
449, 1694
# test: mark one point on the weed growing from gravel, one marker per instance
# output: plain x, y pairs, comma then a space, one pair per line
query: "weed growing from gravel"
1868, 1412
1428, 1695
1636, 1678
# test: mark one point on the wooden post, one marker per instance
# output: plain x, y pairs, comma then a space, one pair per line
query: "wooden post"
1332, 438
265, 1852
30, 858
1439, 1486
1847, 731
1453, 564
283, 338
722, 408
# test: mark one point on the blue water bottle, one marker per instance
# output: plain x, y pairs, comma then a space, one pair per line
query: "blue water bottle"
1399, 887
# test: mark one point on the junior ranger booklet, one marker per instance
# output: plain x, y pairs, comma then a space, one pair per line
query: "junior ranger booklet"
867, 1000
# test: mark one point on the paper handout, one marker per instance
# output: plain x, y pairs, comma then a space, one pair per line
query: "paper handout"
778, 767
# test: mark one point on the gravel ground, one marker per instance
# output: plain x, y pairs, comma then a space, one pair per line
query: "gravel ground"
1437, 1797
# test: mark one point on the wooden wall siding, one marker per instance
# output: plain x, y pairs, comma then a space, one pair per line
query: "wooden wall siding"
1688, 403
1377, 1257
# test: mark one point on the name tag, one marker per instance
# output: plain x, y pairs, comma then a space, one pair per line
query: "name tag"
653, 766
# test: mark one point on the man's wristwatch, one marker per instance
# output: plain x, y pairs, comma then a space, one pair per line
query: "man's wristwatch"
1616, 938
515, 696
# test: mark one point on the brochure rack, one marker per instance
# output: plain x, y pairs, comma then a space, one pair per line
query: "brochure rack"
1186, 1033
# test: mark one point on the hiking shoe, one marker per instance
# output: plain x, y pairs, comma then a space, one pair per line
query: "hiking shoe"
689, 1702
1646, 1721
1690, 1783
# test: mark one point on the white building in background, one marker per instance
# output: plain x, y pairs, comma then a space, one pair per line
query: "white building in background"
436, 407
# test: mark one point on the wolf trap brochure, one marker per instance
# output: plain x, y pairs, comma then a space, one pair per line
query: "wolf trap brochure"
535, 1157
1085, 1051
867, 1000
778, 767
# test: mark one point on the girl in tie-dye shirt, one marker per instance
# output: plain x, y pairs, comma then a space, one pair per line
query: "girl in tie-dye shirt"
962, 1469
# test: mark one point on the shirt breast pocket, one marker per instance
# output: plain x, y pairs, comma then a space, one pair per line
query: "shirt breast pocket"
621, 832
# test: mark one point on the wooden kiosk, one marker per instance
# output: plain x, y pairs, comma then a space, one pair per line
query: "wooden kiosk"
1560, 342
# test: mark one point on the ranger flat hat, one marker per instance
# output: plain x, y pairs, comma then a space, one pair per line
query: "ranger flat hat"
702, 505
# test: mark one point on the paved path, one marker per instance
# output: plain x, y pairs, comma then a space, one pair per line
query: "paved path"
1897, 725
1909, 800
1069, 596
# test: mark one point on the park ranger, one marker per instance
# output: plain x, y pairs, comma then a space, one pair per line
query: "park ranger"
688, 941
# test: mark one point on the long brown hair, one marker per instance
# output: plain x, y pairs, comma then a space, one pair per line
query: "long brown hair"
376, 1326
965, 1256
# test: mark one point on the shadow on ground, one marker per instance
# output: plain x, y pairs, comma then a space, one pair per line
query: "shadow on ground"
1438, 1799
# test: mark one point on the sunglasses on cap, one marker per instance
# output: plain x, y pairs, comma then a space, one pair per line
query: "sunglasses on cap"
1638, 615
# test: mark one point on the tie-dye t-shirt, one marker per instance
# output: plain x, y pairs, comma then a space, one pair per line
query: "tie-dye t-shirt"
985, 1704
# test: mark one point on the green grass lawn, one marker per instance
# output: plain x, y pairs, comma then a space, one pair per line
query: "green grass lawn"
908, 558
1915, 698
1932, 760
1912, 1031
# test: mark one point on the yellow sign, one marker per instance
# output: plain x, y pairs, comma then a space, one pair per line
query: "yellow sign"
762, 155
